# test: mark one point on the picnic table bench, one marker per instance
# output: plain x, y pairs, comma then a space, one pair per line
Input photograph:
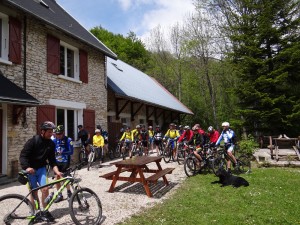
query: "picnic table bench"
138, 166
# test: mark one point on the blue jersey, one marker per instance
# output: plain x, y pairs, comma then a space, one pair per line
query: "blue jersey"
63, 149
227, 136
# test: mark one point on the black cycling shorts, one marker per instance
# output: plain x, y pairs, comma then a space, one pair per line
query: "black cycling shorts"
62, 167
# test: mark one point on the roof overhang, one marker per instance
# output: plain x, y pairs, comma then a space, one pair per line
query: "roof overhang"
12, 94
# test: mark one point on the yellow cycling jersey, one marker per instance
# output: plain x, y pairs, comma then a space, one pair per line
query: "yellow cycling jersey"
134, 134
151, 133
172, 134
126, 135
98, 141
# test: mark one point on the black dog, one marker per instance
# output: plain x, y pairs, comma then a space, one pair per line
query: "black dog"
226, 179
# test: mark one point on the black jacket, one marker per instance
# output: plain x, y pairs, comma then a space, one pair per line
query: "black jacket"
36, 152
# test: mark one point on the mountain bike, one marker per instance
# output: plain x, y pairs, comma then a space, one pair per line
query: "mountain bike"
193, 166
181, 152
243, 161
95, 154
170, 150
83, 154
84, 205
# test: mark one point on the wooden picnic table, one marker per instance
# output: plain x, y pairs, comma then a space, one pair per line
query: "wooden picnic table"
291, 141
138, 166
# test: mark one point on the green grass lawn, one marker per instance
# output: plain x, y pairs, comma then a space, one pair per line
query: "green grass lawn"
273, 197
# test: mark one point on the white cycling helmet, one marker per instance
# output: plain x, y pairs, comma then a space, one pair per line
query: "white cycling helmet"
187, 128
210, 129
225, 124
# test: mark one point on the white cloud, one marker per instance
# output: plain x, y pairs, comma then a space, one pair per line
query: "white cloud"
166, 15
125, 4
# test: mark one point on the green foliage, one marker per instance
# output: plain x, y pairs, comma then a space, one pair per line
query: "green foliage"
271, 198
128, 49
265, 49
248, 145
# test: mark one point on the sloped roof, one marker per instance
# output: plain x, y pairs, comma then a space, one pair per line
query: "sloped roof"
11, 93
128, 82
53, 14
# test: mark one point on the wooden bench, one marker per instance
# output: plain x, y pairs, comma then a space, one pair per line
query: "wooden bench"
297, 151
159, 174
109, 176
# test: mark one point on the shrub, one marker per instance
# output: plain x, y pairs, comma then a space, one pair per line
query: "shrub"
248, 145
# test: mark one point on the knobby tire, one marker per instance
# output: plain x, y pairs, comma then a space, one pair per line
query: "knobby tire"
85, 207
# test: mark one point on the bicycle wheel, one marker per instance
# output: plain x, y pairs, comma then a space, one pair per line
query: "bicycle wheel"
167, 154
82, 156
244, 164
111, 153
8, 204
180, 156
190, 166
85, 207
218, 163
90, 160
117, 152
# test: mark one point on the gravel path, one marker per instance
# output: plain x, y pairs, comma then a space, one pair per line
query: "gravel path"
127, 200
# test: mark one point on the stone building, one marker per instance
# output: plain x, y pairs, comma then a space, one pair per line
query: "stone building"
51, 68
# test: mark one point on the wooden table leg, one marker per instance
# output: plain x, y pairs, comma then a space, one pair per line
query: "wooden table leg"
164, 177
114, 181
145, 183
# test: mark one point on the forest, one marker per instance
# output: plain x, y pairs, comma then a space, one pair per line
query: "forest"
235, 61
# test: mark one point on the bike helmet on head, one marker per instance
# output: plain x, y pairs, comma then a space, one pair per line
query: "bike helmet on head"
210, 129
47, 125
59, 129
138, 126
150, 127
225, 124
157, 126
172, 124
180, 126
187, 128
97, 131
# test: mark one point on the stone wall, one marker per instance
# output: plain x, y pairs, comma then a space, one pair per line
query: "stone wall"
43, 85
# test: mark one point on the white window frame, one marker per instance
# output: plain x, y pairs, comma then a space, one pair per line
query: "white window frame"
4, 39
76, 62
69, 105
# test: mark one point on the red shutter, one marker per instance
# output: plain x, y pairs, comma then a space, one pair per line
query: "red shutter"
53, 62
83, 61
15, 42
89, 121
44, 113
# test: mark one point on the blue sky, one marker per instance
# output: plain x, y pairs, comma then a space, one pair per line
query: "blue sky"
122, 16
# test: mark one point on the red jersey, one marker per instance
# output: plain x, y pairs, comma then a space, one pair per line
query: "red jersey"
213, 137
187, 134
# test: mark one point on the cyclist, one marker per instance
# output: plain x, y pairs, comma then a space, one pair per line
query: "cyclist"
63, 151
181, 130
127, 138
144, 138
186, 135
98, 142
104, 134
197, 141
213, 136
83, 135
172, 134
135, 137
227, 136
33, 158
157, 138
200, 131
151, 133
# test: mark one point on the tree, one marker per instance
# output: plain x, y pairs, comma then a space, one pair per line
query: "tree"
264, 38
129, 49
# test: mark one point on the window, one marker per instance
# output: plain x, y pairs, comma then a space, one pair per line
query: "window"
4, 37
69, 61
67, 117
